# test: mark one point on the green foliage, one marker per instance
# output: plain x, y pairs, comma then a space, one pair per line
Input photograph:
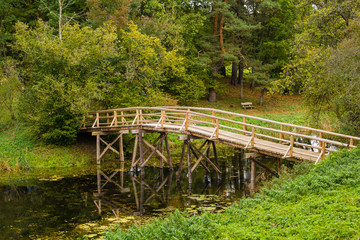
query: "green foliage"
324, 67
10, 87
12, 11
175, 226
322, 202
62, 77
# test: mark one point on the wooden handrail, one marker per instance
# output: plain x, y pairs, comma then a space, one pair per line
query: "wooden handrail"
212, 119
266, 120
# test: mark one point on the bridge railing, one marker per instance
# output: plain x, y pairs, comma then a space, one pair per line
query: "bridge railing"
217, 123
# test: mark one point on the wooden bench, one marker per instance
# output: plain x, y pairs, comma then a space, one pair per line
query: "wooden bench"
247, 105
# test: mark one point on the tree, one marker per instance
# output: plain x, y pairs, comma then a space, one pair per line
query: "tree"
10, 86
321, 26
12, 11
325, 58
62, 78
116, 11
62, 12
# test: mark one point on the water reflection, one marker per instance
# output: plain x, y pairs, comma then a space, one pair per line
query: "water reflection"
44, 207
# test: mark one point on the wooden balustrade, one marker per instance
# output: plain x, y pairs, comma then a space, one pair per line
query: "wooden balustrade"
194, 117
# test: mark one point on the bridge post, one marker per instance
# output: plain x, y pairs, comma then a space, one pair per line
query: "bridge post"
121, 148
98, 149
141, 153
252, 175
134, 153
178, 173
189, 162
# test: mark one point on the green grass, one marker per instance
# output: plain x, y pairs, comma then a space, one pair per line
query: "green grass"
18, 150
322, 202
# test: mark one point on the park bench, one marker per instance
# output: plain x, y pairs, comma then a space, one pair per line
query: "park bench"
247, 105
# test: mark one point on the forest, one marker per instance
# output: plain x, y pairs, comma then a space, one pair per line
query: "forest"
62, 58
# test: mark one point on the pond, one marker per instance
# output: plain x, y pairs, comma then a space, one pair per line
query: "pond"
70, 203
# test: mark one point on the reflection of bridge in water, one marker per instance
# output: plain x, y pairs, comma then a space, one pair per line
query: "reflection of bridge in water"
124, 192
200, 129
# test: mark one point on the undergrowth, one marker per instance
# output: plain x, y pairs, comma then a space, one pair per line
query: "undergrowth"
322, 202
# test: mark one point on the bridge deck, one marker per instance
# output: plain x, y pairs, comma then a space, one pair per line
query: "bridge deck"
271, 140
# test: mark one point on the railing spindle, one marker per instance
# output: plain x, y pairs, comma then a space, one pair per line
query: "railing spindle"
291, 145
162, 118
281, 134
115, 117
253, 137
244, 126
320, 142
137, 117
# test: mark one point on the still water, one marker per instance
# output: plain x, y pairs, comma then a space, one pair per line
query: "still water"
87, 201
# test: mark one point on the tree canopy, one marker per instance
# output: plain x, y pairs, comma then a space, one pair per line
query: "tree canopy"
61, 58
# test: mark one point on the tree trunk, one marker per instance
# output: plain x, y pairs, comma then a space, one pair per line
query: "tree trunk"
223, 71
252, 85
221, 35
261, 97
234, 73
241, 71
60, 19
212, 95
216, 19
241, 77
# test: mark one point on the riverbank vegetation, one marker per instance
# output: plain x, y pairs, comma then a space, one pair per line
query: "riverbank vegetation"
321, 202
19, 150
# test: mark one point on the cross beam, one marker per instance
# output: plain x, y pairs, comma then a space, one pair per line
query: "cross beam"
108, 146
147, 150
200, 154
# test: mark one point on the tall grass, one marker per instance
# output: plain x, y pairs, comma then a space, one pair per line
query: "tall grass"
18, 150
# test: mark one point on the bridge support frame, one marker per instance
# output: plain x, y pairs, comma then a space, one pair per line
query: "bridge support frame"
154, 148
109, 146
201, 153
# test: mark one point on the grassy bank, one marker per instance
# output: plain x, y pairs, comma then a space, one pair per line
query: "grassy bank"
322, 202
19, 150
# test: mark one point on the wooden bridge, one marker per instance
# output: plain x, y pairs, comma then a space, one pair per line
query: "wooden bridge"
255, 134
